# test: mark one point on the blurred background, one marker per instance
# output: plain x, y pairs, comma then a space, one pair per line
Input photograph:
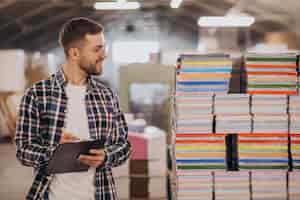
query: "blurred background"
145, 38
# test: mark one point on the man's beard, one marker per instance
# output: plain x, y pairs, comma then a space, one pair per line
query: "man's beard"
90, 69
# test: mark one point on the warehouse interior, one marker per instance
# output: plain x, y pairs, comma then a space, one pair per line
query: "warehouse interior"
145, 43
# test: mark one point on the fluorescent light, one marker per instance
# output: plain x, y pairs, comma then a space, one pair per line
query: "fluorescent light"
175, 3
226, 21
116, 5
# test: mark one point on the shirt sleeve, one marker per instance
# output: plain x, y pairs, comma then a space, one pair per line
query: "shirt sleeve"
30, 151
119, 151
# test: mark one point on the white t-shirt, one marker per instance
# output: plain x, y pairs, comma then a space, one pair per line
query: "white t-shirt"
79, 185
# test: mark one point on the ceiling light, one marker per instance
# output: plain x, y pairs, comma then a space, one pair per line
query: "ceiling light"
226, 21
116, 5
175, 3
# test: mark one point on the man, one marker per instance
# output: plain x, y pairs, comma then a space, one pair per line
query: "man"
69, 106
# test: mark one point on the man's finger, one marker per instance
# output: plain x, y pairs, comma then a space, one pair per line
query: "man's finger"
97, 151
67, 137
91, 158
90, 162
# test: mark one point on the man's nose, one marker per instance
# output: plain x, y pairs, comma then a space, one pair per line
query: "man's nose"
103, 56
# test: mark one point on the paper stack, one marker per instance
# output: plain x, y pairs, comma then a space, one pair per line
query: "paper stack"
194, 114
263, 151
196, 156
269, 185
232, 104
294, 182
200, 152
269, 104
295, 150
203, 73
195, 125
194, 185
270, 123
294, 111
271, 73
232, 185
232, 113
270, 113
233, 123
194, 105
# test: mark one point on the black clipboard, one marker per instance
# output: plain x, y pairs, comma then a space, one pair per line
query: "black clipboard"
65, 156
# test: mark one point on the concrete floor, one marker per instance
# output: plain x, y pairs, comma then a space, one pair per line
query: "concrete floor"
15, 179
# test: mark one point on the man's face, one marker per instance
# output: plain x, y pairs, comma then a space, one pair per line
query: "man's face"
92, 54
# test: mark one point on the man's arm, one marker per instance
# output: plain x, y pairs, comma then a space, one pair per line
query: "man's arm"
115, 154
119, 152
30, 151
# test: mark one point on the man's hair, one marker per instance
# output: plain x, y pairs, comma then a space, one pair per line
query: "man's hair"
74, 31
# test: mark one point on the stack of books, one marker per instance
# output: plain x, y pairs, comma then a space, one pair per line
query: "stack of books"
269, 185
203, 73
271, 73
294, 182
233, 123
263, 151
197, 155
195, 185
268, 104
295, 150
233, 185
269, 123
200, 151
294, 112
194, 114
232, 104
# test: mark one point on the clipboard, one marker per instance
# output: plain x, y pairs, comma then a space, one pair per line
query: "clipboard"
64, 158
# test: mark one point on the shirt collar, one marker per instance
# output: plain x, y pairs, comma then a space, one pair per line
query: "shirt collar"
62, 81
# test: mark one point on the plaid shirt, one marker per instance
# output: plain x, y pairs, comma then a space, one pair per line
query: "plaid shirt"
41, 118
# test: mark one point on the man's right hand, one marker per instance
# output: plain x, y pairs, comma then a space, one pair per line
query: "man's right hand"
67, 137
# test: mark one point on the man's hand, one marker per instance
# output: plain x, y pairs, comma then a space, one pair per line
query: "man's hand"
67, 137
95, 160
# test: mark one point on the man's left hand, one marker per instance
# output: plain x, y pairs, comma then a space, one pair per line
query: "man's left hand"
96, 158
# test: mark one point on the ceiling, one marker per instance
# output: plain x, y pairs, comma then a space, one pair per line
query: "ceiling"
30, 24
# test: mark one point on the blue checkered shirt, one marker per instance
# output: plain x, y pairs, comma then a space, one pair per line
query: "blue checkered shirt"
41, 117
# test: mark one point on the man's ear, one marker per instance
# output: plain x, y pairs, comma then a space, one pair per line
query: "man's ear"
74, 53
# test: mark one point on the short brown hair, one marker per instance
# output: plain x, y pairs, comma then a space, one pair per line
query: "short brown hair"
75, 30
